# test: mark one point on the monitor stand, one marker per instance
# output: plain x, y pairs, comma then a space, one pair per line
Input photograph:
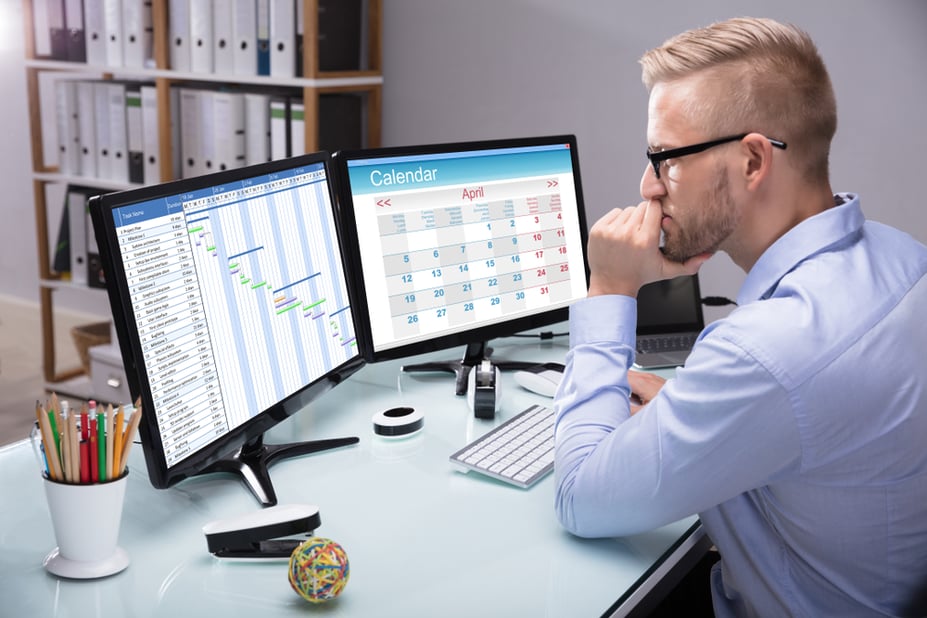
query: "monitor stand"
473, 356
251, 463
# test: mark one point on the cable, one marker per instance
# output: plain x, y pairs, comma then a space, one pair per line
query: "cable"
717, 301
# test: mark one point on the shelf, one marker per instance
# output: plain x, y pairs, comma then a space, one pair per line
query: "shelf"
63, 284
110, 185
345, 79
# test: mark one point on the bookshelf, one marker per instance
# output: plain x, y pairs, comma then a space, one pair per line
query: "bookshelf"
310, 88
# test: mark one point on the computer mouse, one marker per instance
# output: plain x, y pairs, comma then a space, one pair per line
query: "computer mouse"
541, 379
484, 390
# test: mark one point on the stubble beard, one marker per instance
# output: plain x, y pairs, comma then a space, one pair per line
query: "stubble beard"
706, 226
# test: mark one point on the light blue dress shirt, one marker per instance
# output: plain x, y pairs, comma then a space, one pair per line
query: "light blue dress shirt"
797, 429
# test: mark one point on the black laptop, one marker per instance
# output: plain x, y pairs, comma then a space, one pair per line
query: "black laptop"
669, 319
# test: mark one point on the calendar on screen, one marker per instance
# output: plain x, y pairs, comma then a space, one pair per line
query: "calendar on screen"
463, 238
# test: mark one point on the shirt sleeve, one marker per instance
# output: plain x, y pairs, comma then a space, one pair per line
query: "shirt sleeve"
722, 426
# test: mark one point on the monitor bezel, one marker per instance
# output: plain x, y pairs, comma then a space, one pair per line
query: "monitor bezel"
160, 474
479, 334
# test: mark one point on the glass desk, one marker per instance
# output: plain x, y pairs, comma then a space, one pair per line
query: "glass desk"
423, 538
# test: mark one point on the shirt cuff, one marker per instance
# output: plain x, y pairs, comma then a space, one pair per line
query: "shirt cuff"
604, 318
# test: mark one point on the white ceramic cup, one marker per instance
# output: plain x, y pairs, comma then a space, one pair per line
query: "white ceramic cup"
86, 521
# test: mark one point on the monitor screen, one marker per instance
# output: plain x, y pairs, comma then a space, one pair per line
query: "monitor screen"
231, 304
456, 244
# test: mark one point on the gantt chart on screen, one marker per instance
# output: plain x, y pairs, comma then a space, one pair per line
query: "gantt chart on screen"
239, 299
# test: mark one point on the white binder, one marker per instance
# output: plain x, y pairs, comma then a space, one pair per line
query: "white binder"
297, 118
66, 120
201, 36
137, 34
207, 136
118, 132
95, 33
257, 128
112, 27
151, 168
189, 108
279, 127
282, 38
179, 33
244, 37
228, 110
223, 52
86, 128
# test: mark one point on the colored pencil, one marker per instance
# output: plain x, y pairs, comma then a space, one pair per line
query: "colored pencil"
101, 444
130, 434
110, 474
74, 446
85, 459
48, 443
56, 435
118, 428
94, 452
65, 431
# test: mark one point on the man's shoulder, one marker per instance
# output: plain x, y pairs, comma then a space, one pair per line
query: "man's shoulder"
893, 239
824, 306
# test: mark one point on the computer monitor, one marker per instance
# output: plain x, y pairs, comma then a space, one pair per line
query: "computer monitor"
457, 244
670, 306
231, 305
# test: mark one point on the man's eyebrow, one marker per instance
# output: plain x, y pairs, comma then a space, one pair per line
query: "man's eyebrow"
658, 145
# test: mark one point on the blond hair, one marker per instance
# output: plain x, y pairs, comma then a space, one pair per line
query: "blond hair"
754, 74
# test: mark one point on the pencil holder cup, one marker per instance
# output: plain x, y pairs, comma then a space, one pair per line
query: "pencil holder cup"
86, 521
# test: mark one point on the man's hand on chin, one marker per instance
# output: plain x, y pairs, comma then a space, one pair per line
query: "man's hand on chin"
624, 251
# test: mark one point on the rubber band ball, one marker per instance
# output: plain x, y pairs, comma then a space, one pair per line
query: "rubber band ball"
319, 569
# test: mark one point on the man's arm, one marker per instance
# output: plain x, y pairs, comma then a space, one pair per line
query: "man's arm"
721, 427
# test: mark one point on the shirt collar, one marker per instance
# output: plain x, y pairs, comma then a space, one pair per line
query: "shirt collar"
808, 238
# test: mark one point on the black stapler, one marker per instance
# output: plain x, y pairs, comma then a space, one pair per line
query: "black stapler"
262, 534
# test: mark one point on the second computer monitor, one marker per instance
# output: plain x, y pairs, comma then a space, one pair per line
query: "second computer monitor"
457, 244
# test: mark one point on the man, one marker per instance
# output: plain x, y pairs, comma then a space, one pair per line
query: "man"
797, 430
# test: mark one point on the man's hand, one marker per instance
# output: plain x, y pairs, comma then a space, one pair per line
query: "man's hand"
644, 387
624, 251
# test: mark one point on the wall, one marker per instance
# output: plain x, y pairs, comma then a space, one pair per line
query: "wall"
497, 68
18, 269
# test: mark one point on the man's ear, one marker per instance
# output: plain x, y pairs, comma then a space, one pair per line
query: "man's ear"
758, 153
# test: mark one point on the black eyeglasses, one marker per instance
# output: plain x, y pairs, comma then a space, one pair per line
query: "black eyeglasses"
656, 158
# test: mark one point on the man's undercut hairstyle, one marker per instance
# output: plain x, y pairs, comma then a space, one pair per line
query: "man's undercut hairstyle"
754, 74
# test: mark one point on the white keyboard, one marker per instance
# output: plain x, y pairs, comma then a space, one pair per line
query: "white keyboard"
520, 451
